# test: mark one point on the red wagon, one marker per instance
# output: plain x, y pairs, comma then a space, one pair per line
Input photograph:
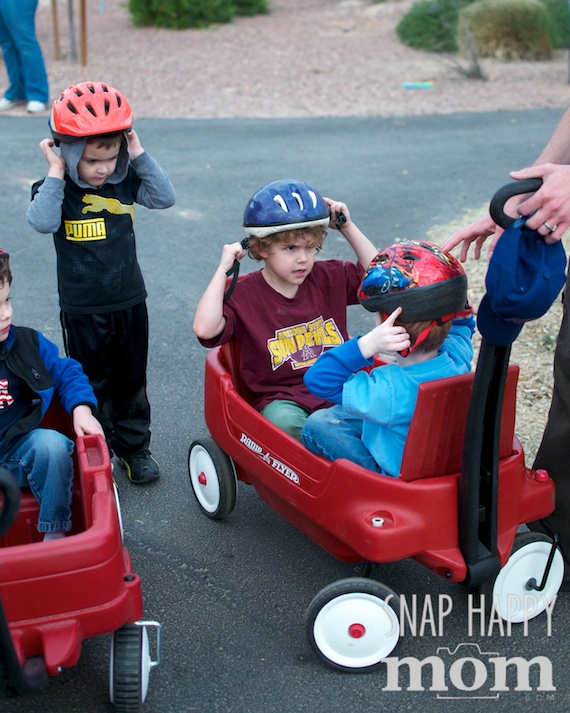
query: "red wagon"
53, 595
456, 507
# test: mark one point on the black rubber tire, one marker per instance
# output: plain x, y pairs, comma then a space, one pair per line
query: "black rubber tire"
126, 675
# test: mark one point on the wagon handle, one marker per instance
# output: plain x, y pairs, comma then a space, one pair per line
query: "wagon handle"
515, 188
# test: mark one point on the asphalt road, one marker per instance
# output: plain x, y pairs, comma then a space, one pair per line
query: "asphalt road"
231, 596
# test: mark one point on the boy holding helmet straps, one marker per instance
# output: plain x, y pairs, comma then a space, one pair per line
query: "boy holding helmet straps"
87, 202
420, 295
286, 314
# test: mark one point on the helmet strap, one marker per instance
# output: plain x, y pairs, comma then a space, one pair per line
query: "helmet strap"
421, 337
440, 321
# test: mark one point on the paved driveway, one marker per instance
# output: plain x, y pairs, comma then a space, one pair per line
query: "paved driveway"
231, 596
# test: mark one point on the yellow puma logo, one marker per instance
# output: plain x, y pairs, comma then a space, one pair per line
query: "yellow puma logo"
97, 204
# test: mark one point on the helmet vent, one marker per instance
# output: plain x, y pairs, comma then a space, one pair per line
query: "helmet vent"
107, 106
104, 88
91, 88
299, 200
91, 109
78, 93
313, 197
118, 99
71, 108
279, 200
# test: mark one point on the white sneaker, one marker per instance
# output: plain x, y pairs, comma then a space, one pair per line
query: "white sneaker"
35, 107
6, 104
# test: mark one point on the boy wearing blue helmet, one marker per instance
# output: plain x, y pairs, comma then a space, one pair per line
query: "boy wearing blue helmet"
293, 309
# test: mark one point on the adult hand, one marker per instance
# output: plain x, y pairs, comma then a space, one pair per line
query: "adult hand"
551, 202
477, 232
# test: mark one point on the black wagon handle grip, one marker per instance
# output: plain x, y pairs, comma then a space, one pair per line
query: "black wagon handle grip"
515, 188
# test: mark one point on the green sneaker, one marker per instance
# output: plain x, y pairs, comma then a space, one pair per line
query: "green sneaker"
141, 467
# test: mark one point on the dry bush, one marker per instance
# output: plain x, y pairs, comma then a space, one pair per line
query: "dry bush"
506, 29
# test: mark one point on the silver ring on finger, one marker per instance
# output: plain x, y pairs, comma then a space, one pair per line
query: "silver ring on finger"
550, 228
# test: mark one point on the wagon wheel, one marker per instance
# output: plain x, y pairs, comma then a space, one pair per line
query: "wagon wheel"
510, 592
213, 478
130, 668
352, 624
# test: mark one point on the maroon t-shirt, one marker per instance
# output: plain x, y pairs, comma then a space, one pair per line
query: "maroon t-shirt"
280, 337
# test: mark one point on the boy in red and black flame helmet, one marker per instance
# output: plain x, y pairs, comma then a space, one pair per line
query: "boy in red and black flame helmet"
420, 295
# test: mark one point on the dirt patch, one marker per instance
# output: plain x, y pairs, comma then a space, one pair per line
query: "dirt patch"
306, 58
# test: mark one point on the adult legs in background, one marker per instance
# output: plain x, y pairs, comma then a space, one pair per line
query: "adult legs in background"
554, 451
22, 53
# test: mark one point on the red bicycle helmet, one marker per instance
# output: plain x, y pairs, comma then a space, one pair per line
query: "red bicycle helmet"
418, 276
89, 109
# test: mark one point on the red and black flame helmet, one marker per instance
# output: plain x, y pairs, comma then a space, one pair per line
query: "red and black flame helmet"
418, 276
89, 109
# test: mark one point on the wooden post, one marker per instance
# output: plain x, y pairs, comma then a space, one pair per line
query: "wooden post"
55, 24
83, 21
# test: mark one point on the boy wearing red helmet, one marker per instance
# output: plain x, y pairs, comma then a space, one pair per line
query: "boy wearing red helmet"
286, 314
87, 201
420, 295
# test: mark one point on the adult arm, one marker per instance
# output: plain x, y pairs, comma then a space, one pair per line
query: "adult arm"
551, 202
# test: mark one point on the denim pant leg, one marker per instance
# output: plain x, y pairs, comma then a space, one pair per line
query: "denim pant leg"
21, 51
333, 433
41, 460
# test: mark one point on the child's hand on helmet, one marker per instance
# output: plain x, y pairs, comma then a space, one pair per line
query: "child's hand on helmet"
386, 338
340, 217
56, 162
135, 148
231, 252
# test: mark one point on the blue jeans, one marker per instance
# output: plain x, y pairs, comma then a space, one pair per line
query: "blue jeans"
22, 52
41, 460
334, 433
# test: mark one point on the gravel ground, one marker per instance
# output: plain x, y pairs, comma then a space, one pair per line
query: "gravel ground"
305, 58
312, 58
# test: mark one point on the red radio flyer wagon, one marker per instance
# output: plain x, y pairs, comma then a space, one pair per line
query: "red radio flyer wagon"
53, 595
456, 507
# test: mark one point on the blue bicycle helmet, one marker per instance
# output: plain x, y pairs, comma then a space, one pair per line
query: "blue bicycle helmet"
285, 204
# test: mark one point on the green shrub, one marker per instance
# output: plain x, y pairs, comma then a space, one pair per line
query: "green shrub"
558, 21
251, 7
432, 25
507, 29
181, 14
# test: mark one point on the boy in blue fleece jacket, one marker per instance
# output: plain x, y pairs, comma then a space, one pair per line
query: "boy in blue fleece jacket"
420, 295
31, 371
